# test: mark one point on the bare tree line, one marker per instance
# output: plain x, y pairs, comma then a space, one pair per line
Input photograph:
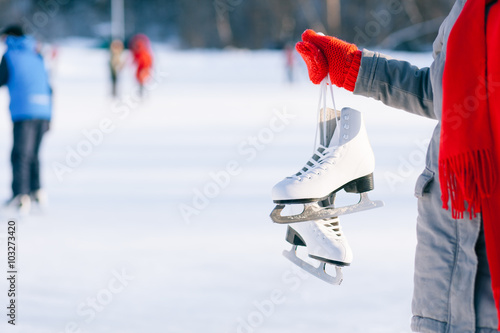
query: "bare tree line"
403, 24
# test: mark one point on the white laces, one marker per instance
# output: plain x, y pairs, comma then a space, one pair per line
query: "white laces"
322, 102
333, 227
323, 156
326, 156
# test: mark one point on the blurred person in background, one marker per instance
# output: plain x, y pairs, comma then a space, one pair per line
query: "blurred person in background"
289, 61
457, 260
140, 47
115, 64
23, 71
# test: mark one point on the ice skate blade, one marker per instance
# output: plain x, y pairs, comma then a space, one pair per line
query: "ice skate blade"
314, 212
318, 272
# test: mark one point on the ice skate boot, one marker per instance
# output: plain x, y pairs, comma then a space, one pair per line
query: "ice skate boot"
21, 203
326, 245
346, 162
39, 200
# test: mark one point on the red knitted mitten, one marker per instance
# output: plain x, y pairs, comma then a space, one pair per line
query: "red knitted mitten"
343, 59
317, 66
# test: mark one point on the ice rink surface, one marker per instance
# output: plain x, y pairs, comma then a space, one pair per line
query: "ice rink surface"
159, 210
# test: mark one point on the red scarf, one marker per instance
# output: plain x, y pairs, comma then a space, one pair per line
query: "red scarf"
469, 153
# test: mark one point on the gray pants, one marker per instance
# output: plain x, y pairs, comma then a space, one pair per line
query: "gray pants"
452, 280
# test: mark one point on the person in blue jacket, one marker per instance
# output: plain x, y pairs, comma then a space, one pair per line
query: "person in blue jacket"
23, 71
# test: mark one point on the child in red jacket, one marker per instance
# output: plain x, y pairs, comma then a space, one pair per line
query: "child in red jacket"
141, 52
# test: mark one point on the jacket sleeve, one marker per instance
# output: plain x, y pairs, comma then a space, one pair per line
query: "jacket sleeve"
4, 72
396, 83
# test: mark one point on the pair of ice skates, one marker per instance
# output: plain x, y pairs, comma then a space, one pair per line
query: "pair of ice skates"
22, 204
343, 160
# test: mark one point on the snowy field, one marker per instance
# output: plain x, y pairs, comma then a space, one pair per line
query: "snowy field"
159, 210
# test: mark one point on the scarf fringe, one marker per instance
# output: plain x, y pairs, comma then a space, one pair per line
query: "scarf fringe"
467, 178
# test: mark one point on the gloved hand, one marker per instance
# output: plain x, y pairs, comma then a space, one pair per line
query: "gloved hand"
328, 55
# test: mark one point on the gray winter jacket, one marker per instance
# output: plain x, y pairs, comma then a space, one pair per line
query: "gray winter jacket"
452, 286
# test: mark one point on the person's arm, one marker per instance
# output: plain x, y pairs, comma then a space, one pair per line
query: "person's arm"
4, 72
396, 83
399, 84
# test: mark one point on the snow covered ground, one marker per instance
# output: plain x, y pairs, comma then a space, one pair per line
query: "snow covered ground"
159, 210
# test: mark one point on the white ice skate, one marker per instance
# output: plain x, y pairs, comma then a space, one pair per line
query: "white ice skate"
326, 245
20, 204
39, 201
343, 160
346, 162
